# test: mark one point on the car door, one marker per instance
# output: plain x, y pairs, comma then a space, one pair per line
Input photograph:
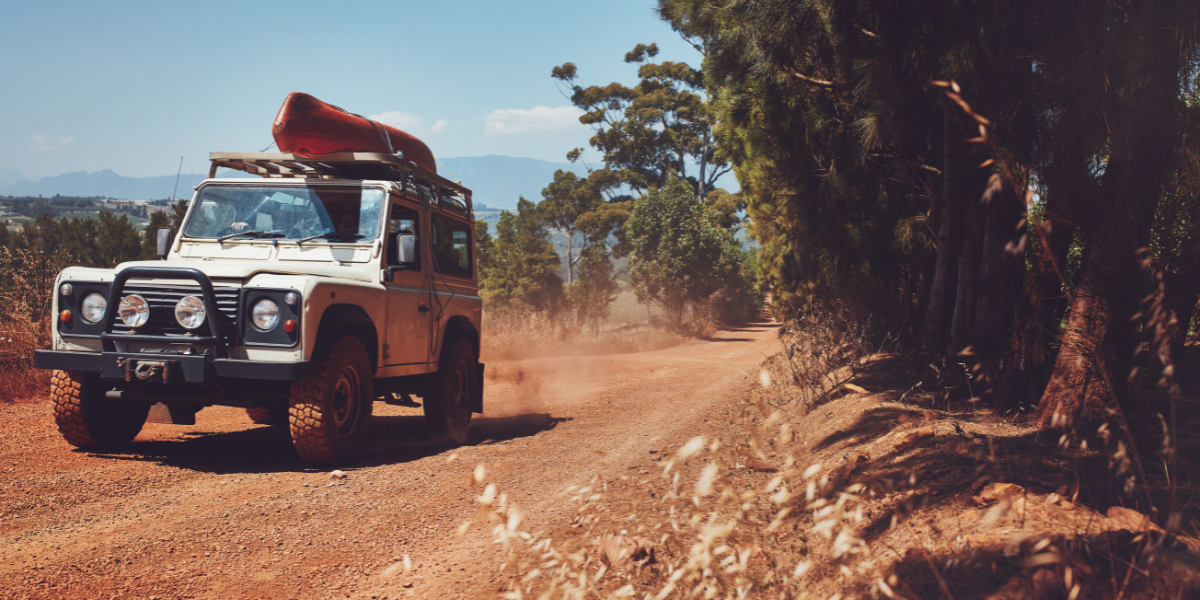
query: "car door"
409, 315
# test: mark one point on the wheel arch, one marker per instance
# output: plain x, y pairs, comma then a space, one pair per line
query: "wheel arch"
458, 326
346, 319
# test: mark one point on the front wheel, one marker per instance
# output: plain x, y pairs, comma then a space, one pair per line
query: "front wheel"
88, 420
448, 405
329, 409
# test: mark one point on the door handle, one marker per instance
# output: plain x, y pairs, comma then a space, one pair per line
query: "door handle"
422, 308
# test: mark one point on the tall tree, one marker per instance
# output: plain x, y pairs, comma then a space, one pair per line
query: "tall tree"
647, 132
1098, 341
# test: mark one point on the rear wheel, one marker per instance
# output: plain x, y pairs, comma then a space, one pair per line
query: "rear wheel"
448, 404
86, 419
268, 415
329, 409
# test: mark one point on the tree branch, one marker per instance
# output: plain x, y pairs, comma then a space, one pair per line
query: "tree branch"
817, 82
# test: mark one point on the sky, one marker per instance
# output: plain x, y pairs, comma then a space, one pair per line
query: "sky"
134, 86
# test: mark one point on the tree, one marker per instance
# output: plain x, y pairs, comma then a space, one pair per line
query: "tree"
569, 204
158, 220
596, 288
523, 268
652, 130
888, 152
679, 256
116, 240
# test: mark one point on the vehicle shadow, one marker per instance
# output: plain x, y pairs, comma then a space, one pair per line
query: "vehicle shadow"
390, 440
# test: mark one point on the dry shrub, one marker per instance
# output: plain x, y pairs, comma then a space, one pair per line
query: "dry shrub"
26, 279
821, 353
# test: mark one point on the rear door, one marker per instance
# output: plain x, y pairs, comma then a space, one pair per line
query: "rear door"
409, 315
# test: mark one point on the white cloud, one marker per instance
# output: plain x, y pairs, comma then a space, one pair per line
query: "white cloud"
45, 143
539, 120
410, 123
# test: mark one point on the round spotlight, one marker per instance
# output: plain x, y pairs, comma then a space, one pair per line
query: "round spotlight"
134, 310
291, 298
92, 309
265, 314
66, 289
189, 312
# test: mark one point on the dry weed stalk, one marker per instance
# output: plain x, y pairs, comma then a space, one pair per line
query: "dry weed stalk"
26, 282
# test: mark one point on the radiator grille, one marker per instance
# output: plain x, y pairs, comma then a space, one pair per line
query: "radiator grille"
162, 300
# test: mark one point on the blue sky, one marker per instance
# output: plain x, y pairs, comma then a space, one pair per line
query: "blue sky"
133, 86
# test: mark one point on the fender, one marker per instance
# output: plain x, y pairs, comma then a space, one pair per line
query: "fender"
341, 319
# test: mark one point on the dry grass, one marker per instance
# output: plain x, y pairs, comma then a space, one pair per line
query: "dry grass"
26, 279
818, 489
630, 328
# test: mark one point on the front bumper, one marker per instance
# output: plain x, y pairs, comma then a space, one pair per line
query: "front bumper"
181, 368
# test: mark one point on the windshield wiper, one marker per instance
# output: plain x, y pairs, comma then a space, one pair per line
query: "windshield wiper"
254, 232
331, 236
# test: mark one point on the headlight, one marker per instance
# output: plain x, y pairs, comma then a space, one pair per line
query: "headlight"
265, 314
66, 289
190, 312
93, 307
134, 310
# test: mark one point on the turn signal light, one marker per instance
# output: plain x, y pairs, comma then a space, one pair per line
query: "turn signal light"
289, 326
65, 316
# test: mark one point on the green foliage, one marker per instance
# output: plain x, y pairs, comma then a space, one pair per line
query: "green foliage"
596, 287
679, 256
519, 267
651, 130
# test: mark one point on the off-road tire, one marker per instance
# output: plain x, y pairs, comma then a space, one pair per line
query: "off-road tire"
448, 403
88, 420
264, 415
328, 410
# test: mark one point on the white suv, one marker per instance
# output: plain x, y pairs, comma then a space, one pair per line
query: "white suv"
303, 296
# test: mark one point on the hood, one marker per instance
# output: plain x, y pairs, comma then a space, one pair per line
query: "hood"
241, 269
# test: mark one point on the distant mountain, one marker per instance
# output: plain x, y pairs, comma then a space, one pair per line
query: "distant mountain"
9, 176
496, 181
105, 183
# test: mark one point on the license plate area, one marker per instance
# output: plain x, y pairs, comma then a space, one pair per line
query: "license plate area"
155, 370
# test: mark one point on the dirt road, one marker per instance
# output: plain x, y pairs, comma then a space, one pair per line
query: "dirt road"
225, 509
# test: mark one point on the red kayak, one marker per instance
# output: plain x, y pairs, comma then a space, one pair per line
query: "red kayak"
310, 128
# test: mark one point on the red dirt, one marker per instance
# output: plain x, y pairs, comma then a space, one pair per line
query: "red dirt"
225, 508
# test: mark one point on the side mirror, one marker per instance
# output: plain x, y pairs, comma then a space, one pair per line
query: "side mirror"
164, 243
406, 248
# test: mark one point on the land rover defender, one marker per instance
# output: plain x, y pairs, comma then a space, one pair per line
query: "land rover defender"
303, 295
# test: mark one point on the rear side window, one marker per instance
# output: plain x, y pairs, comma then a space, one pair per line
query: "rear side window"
451, 247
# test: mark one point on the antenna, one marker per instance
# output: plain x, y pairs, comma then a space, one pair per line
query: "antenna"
177, 180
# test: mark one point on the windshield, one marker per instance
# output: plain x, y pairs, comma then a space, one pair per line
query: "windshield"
328, 214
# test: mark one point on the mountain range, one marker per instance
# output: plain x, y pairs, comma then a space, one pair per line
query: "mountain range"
496, 181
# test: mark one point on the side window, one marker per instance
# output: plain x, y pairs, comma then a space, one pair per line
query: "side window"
451, 247
402, 222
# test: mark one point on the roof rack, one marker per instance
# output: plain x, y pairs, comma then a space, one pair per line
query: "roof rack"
340, 165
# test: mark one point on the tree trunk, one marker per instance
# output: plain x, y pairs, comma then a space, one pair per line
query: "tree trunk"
999, 281
963, 321
1099, 337
1080, 389
945, 272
